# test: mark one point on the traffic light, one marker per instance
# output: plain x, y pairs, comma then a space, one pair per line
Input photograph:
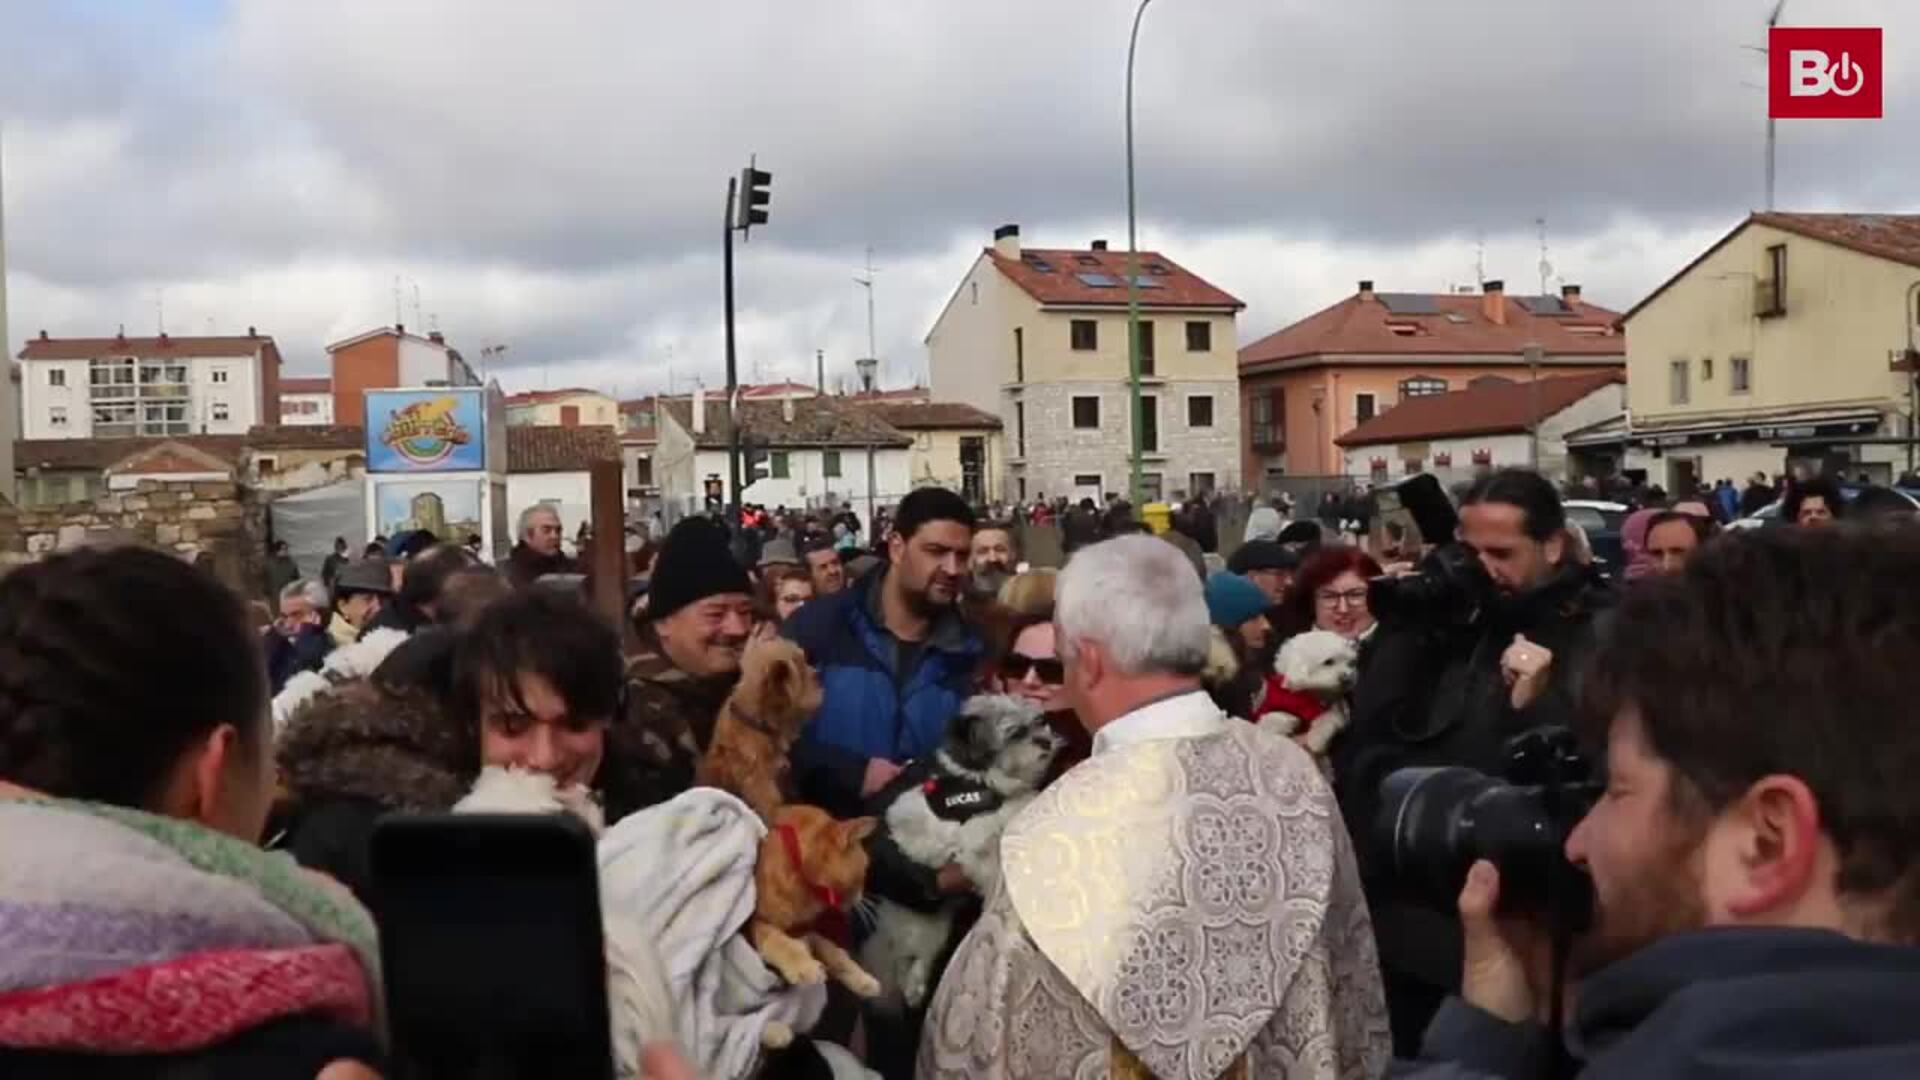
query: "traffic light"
754, 197
754, 451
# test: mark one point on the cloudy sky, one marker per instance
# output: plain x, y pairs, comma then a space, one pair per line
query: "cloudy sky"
549, 176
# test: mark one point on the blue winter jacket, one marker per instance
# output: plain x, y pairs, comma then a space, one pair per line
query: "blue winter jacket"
869, 710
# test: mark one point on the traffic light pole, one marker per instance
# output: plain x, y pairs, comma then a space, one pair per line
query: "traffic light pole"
733, 374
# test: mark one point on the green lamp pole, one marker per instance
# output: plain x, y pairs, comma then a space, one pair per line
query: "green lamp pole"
1136, 481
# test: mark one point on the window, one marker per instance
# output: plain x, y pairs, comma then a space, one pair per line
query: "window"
1020, 429
1146, 347
1269, 418
57, 416
830, 464
133, 398
1200, 483
1022, 482
1019, 355
1087, 480
220, 411
778, 465
1364, 407
976, 292
219, 375
643, 471
1153, 487
1086, 412
1706, 369
1770, 294
57, 377
1200, 410
1200, 337
265, 464
1149, 424
1679, 383
1421, 386
1739, 375
1086, 335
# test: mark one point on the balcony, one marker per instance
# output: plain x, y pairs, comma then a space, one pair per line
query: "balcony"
1768, 299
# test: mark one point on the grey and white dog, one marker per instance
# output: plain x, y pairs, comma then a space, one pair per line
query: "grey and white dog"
952, 811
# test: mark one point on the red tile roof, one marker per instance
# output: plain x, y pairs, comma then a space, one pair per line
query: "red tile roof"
778, 390
1491, 408
1458, 326
817, 421
297, 385
910, 393
169, 456
543, 448
1895, 237
1059, 283
931, 415
93, 455
307, 437
44, 348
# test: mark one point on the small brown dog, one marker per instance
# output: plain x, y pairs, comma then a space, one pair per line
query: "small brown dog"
809, 865
778, 693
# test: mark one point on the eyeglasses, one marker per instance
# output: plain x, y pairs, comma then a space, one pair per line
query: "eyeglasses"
1352, 598
1016, 666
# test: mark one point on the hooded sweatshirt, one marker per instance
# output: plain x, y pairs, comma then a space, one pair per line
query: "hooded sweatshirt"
1756, 1003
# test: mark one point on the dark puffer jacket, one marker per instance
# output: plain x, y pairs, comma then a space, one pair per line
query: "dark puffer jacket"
356, 752
655, 744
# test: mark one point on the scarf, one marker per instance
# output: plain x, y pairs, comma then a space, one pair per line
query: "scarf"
124, 932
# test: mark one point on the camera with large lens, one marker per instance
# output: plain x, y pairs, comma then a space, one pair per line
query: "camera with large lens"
1449, 587
1435, 822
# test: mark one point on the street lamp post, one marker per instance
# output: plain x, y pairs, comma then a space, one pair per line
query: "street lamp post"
1135, 479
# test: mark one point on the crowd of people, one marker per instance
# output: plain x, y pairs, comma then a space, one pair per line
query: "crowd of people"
189, 785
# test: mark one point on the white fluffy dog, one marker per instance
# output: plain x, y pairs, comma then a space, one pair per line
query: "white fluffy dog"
996, 753
1320, 664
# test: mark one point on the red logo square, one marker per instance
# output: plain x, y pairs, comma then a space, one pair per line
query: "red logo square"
1823, 73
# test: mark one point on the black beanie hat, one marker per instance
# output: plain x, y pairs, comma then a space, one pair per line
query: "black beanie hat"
695, 563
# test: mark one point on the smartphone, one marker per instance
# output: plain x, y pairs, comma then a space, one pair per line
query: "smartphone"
490, 945
1394, 535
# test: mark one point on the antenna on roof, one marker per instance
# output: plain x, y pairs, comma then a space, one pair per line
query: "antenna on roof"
398, 319
160, 311
417, 320
1479, 256
873, 350
1546, 268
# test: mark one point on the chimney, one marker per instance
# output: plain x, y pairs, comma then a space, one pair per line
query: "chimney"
699, 410
1493, 302
436, 337
399, 328
820, 372
1099, 245
786, 407
1366, 290
1006, 242
44, 337
1570, 294
251, 332
165, 341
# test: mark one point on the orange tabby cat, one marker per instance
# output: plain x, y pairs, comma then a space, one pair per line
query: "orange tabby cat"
791, 895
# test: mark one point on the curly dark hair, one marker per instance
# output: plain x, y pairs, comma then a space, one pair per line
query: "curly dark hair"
1820, 487
1784, 651
114, 662
540, 632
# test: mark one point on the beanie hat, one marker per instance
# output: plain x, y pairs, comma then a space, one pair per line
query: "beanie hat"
1232, 600
1263, 555
694, 563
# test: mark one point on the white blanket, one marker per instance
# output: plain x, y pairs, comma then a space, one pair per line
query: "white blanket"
680, 875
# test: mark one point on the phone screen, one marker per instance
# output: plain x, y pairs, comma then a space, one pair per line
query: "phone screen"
490, 944
1395, 535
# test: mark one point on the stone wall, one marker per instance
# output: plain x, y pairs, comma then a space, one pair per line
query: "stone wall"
1056, 451
221, 520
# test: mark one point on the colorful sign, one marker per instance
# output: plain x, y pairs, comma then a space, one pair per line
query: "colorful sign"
449, 509
435, 430
1824, 73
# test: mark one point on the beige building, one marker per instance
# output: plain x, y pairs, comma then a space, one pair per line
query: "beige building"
1039, 338
562, 408
1774, 350
955, 446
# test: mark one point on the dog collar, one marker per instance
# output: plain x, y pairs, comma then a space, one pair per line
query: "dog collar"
957, 798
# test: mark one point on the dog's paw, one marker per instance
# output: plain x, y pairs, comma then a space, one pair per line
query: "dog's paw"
776, 1036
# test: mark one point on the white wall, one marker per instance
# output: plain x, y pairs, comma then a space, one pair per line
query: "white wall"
570, 492
322, 414
970, 348
807, 480
422, 363
38, 399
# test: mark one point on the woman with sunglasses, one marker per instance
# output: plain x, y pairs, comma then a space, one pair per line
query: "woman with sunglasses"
1027, 665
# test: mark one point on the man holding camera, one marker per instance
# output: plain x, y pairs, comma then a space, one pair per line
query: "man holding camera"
1476, 645
1755, 856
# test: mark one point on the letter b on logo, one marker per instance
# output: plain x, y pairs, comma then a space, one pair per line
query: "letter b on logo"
1823, 73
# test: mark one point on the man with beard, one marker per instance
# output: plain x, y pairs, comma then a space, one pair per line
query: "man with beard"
893, 654
993, 559
699, 613
1483, 646
1757, 892
829, 574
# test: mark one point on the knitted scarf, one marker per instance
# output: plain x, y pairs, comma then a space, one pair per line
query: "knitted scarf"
125, 932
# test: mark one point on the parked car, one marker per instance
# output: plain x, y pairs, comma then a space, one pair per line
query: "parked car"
1601, 522
1769, 515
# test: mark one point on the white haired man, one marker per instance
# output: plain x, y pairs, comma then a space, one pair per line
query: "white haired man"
1183, 904
537, 553
297, 641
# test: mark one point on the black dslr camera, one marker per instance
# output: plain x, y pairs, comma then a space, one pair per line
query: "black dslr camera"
1449, 589
1435, 822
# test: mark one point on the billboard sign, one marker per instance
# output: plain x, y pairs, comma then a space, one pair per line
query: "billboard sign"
431, 430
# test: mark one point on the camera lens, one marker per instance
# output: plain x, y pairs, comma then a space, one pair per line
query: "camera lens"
1435, 822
